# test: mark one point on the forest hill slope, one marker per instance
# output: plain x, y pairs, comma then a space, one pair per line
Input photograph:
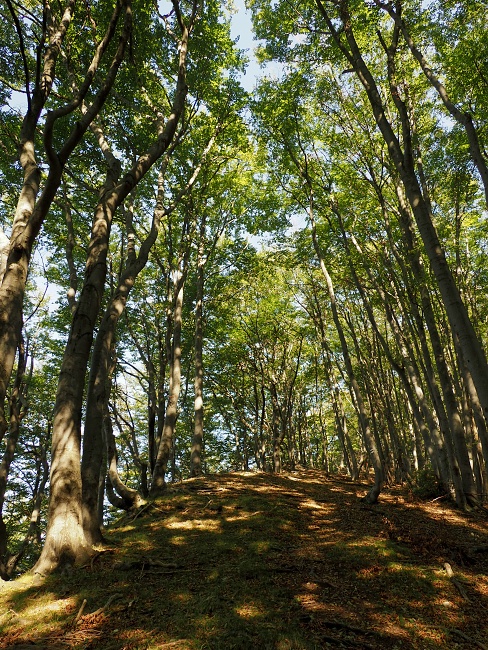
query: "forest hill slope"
285, 562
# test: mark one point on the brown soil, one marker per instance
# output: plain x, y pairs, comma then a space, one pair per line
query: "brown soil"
249, 560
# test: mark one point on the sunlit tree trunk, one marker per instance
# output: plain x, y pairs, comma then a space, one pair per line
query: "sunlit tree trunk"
30, 213
368, 436
167, 438
31, 209
403, 161
197, 443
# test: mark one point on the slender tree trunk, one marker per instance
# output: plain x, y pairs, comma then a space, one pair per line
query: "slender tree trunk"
31, 211
167, 438
369, 441
130, 497
349, 454
66, 542
455, 423
278, 430
9, 453
459, 320
197, 444
99, 384
463, 118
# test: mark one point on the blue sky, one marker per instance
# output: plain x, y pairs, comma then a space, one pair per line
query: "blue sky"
242, 28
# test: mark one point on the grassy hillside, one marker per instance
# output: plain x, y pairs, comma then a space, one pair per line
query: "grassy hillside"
244, 561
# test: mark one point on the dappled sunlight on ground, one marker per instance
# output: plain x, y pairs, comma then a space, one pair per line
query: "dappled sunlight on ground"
250, 610
290, 562
195, 524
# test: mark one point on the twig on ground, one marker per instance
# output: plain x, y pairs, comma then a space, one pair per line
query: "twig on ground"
455, 581
80, 611
107, 604
141, 510
468, 638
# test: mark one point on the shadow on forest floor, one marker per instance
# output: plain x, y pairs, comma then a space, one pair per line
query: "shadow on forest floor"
249, 560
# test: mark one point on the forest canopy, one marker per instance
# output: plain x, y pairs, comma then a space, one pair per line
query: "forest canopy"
196, 278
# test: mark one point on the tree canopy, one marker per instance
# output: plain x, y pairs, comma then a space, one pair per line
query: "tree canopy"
196, 278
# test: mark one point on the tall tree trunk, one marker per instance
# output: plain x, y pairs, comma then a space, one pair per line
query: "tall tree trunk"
66, 542
463, 118
455, 423
29, 214
31, 211
368, 437
9, 453
167, 438
197, 443
277, 428
459, 320
99, 384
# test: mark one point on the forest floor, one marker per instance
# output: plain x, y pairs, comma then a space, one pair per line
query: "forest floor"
253, 561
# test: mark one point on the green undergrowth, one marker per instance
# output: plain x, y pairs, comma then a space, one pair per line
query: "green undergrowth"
245, 561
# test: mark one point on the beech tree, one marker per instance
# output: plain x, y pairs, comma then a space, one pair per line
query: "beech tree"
212, 280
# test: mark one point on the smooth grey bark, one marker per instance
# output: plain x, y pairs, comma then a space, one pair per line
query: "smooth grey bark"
32, 210
369, 441
434, 440
66, 542
479, 420
402, 159
167, 438
412, 369
455, 423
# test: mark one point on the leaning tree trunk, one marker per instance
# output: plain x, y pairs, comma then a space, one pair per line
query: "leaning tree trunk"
369, 441
66, 542
455, 423
31, 211
459, 320
131, 499
463, 118
348, 452
99, 384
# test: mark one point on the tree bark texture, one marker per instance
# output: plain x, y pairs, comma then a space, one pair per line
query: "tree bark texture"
167, 438
66, 541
